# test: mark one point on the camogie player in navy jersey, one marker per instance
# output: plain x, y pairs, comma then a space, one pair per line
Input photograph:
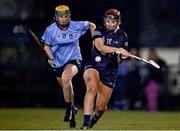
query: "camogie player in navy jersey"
100, 71
61, 40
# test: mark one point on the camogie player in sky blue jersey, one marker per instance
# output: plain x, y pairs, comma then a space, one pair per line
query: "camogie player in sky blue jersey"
65, 43
100, 71
61, 40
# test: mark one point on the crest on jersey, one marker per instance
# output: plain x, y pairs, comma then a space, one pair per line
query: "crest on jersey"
97, 58
108, 41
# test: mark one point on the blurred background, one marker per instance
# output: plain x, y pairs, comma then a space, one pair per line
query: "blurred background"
152, 26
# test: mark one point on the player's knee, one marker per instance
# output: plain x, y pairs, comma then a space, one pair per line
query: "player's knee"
88, 80
91, 90
66, 82
91, 84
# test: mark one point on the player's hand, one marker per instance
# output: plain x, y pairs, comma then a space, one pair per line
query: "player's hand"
51, 62
123, 53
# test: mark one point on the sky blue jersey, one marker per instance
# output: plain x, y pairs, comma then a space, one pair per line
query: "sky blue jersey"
65, 43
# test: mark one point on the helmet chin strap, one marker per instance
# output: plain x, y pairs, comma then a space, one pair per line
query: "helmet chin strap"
116, 29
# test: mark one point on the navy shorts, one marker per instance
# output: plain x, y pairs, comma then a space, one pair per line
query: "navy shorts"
58, 71
107, 76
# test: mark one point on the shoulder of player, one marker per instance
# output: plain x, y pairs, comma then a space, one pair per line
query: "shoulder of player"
77, 24
51, 27
121, 32
100, 28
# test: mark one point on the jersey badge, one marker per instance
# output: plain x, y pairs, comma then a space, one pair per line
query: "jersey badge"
97, 58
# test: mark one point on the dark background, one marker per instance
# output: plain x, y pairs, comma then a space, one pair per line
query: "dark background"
26, 78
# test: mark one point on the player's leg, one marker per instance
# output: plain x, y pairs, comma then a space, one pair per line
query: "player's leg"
103, 96
65, 81
69, 72
91, 78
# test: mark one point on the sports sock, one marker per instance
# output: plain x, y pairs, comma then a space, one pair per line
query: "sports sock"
95, 117
68, 107
87, 118
93, 120
100, 113
72, 113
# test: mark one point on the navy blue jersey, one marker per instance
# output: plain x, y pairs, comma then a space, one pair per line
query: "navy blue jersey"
106, 63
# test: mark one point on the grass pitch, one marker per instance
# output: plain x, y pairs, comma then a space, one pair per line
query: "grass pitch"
52, 119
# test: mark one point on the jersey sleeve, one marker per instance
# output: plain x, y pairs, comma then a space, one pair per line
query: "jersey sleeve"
46, 37
125, 45
123, 41
84, 26
97, 33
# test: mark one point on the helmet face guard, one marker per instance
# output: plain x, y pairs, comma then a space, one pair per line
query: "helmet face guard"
62, 15
111, 20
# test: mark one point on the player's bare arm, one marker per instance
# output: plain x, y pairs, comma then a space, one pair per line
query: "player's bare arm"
92, 27
99, 44
47, 48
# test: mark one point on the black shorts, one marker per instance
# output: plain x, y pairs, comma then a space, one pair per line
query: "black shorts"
58, 71
107, 76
